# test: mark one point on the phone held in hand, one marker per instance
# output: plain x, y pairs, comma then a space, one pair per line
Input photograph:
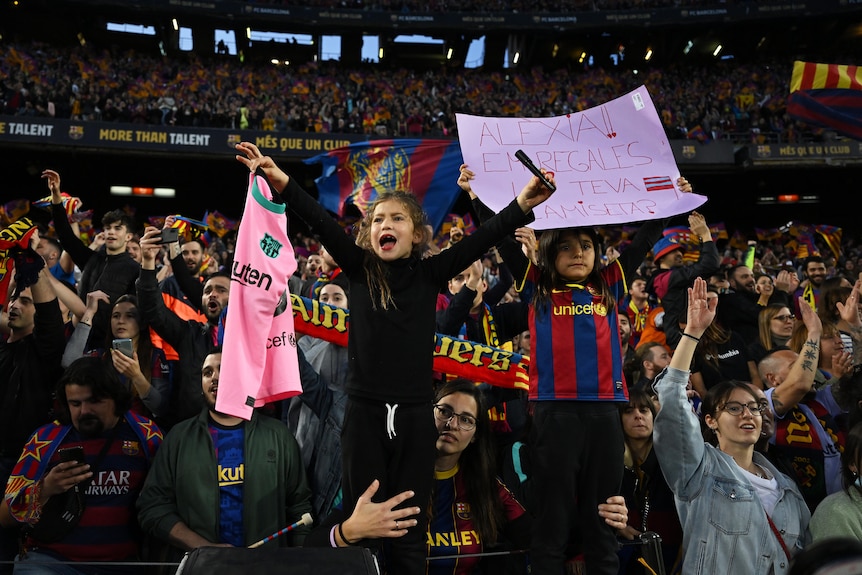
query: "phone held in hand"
124, 345
169, 236
75, 453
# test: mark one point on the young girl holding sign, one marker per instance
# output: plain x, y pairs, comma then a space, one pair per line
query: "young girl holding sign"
389, 432
576, 384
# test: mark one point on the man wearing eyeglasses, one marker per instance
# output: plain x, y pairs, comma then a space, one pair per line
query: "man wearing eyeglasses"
808, 438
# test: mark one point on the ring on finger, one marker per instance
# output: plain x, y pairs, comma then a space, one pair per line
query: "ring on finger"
396, 525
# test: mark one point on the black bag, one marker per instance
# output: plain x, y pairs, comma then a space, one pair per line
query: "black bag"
59, 516
279, 561
650, 556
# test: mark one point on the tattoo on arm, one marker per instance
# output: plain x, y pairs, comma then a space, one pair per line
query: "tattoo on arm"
810, 353
777, 404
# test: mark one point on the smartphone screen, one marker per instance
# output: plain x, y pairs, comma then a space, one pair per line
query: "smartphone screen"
124, 345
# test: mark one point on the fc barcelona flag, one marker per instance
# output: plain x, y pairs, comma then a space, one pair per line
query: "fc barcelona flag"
827, 95
357, 173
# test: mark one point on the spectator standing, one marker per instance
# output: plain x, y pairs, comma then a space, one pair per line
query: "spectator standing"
644, 487
146, 374
393, 293
192, 339
29, 367
112, 271
809, 436
738, 309
669, 282
814, 272
774, 330
738, 513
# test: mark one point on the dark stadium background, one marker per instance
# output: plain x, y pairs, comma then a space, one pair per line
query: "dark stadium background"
219, 183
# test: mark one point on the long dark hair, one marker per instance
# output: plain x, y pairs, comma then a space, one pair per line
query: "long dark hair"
144, 348
549, 279
375, 271
478, 467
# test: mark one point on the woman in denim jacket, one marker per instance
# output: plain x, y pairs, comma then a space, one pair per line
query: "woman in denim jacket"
726, 496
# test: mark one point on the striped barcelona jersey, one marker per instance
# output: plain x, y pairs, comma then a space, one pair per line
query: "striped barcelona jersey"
451, 533
576, 349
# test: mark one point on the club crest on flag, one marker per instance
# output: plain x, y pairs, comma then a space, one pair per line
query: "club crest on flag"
376, 170
76, 132
356, 174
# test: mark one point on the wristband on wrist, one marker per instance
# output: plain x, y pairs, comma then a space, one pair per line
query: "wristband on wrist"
343, 538
332, 542
688, 335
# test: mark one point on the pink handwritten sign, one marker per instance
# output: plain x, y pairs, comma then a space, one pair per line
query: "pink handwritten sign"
612, 163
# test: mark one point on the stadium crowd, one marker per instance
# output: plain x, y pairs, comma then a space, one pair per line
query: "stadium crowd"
170, 299
744, 103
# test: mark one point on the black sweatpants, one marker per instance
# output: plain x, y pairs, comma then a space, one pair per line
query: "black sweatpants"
577, 452
395, 444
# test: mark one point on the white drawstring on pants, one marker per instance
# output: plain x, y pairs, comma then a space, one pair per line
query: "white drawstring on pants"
390, 420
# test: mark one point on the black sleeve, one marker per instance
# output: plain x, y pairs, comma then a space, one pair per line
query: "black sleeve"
79, 253
192, 287
315, 391
633, 256
504, 281
450, 320
509, 247
166, 323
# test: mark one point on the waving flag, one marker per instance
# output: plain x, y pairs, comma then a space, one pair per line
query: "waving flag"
832, 236
827, 95
357, 173
11, 211
219, 223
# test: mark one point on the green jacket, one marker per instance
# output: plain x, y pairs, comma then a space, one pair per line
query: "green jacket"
182, 484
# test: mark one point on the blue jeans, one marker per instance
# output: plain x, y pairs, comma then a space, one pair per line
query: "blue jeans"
30, 565
45, 563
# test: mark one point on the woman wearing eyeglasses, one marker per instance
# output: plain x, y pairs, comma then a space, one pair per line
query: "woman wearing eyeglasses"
774, 329
739, 514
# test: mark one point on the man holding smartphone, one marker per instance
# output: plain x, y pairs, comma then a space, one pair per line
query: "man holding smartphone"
99, 448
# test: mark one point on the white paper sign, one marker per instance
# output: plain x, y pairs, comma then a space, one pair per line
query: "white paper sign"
612, 164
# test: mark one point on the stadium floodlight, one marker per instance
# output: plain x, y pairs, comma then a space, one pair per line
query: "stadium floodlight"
516, 58
175, 24
688, 47
717, 50
449, 53
648, 54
